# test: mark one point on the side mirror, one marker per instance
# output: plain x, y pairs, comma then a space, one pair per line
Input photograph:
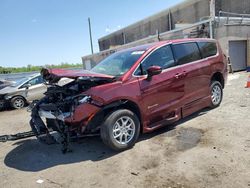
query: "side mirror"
153, 70
26, 86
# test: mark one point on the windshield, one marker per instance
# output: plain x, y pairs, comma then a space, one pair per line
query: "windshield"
118, 63
18, 82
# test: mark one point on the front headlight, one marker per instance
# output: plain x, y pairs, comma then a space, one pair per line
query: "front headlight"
7, 97
84, 99
88, 99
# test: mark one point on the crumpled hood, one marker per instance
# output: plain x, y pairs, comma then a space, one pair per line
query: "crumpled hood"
54, 75
3, 86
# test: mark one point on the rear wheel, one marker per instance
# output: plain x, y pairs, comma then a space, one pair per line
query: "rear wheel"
17, 102
120, 130
216, 93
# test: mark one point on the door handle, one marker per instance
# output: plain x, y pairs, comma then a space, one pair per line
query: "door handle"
178, 75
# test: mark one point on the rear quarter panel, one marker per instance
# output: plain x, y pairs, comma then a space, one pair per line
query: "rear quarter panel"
220, 64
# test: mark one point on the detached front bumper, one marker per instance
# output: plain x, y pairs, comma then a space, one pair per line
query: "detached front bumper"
77, 118
68, 125
47, 119
51, 115
80, 115
49, 112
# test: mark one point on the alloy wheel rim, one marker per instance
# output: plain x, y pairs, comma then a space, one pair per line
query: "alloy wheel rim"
19, 103
124, 130
216, 95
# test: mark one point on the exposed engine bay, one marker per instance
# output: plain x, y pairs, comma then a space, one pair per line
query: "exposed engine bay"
52, 115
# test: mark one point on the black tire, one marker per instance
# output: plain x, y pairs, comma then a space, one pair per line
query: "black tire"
216, 92
2, 104
17, 102
113, 120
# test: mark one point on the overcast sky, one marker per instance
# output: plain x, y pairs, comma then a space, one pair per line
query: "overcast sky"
40, 32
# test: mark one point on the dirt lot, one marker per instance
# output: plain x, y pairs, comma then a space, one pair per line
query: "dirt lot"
209, 149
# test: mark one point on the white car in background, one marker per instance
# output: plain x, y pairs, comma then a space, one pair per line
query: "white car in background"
23, 91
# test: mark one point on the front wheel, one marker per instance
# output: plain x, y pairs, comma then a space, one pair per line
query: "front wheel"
120, 130
18, 102
216, 93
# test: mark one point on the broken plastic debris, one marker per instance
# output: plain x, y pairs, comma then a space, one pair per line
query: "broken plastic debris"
39, 181
135, 173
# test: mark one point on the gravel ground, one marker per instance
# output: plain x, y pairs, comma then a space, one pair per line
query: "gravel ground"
211, 148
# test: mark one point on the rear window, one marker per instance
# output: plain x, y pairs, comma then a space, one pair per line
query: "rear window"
207, 49
186, 52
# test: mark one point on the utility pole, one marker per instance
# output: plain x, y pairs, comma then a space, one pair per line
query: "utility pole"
212, 18
169, 20
90, 36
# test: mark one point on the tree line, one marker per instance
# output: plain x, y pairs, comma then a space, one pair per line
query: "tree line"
32, 68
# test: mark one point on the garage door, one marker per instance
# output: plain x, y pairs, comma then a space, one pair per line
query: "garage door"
238, 55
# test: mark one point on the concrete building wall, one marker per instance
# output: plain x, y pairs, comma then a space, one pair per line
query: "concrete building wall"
190, 11
236, 6
224, 34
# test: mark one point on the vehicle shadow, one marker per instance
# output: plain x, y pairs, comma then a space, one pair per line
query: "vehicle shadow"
6, 109
31, 155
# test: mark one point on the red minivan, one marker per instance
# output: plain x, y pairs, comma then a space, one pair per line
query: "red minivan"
132, 91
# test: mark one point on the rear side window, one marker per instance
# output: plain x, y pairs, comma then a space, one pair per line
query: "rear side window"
186, 52
207, 49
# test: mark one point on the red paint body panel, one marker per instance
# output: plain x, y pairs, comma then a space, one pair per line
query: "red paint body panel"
83, 112
175, 93
160, 96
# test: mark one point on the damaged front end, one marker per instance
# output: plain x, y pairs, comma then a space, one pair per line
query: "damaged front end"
65, 111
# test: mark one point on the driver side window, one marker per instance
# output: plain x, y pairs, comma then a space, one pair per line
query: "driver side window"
35, 81
162, 57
